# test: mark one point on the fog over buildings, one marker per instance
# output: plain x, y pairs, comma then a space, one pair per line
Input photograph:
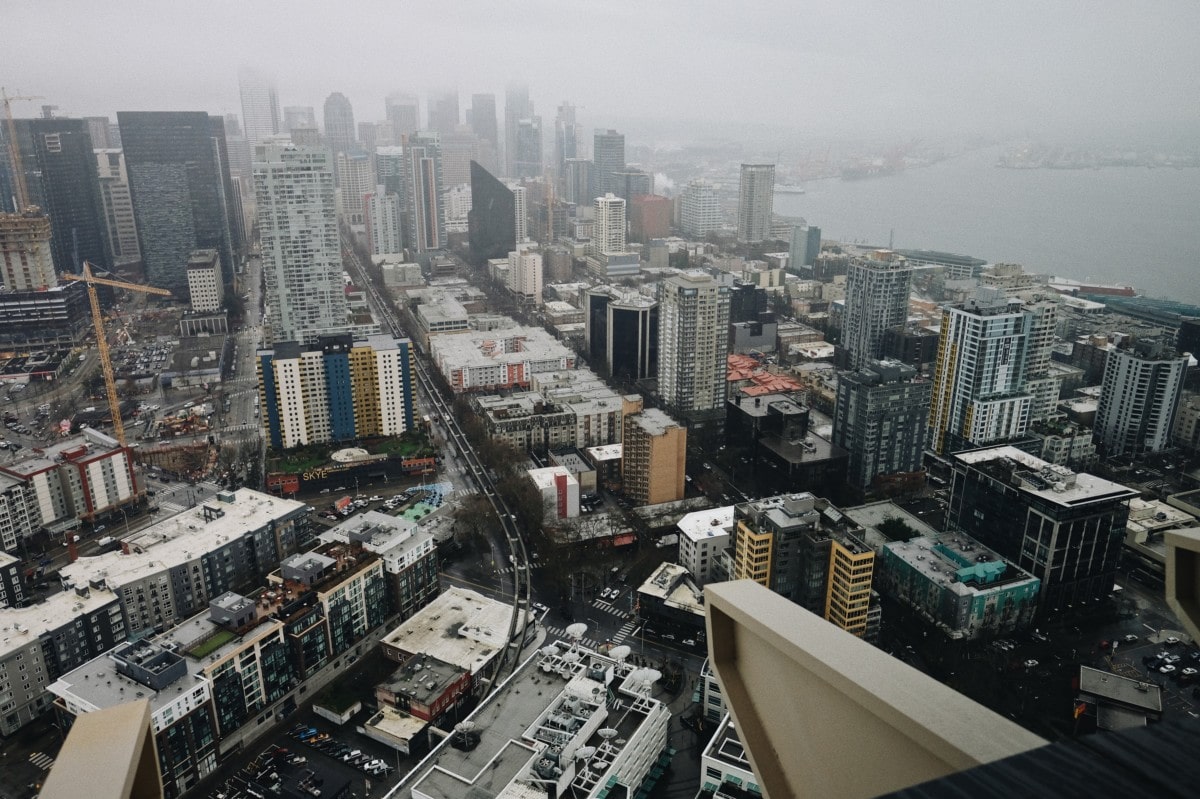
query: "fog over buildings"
670, 71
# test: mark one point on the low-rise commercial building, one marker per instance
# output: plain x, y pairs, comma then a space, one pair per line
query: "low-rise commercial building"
703, 535
559, 490
475, 361
958, 585
671, 603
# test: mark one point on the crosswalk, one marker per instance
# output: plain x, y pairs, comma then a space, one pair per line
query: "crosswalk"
41, 760
171, 507
559, 632
609, 607
624, 632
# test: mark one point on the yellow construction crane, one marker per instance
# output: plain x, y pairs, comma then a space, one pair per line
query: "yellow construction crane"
14, 149
110, 381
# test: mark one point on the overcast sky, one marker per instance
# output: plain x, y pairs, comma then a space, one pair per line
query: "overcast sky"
1099, 68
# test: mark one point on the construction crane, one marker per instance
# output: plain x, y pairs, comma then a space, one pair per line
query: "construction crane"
14, 148
110, 381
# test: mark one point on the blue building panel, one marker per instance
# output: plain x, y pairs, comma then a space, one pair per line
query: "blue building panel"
340, 395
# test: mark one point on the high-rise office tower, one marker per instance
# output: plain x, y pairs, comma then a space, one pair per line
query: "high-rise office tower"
301, 252
339, 124
608, 231
516, 108
241, 151
375, 134
118, 207
877, 288
26, 259
179, 182
98, 128
632, 183
401, 111
566, 136
805, 245
1139, 398
621, 329
491, 226
60, 177
459, 148
484, 126
298, 116
577, 181
980, 394
260, 106
528, 163
693, 342
608, 154
881, 418
381, 210
389, 169
700, 210
426, 211
443, 111
357, 180
756, 202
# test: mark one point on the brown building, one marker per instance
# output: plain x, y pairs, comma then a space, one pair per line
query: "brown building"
654, 457
649, 217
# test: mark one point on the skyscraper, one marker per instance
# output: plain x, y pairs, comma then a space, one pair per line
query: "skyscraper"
298, 116
118, 207
60, 176
693, 342
979, 390
260, 106
805, 245
632, 183
877, 290
483, 125
490, 222
756, 202
357, 180
608, 231
608, 154
516, 108
443, 111
339, 124
459, 148
179, 182
426, 229
566, 136
384, 224
700, 210
301, 252
401, 111
241, 151
577, 181
1139, 398
529, 163
880, 418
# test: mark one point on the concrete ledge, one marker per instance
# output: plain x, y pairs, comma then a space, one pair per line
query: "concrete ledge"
822, 713
1183, 578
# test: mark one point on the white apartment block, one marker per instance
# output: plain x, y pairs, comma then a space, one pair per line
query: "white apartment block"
1139, 399
877, 289
301, 251
756, 202
700, 210
520, 212
206, 290
693, 342
703, 536
383, 220
608, 231
356, 179
525, 274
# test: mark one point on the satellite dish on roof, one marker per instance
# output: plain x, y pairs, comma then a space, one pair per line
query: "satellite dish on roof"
584, 752
652, 675
464, 726
576, 630
607, 733
572, 657
548, 650
619, 653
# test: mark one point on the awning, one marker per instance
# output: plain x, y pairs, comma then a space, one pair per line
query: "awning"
623, 539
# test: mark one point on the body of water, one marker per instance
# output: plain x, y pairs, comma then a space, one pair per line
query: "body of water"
1131, 226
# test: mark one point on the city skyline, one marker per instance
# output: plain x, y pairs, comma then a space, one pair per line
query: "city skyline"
1059, 77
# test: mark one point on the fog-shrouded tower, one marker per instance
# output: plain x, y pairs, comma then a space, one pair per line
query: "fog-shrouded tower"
566, 137
260, 105
756, 202
301, 252
298, 116
877, 288
483, 125
401, 110
608, 154
443, 111
516, 107
529, 163
179, 182
339, 124
426, 228
700, 209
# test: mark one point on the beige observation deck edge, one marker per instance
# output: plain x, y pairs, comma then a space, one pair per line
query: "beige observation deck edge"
108, 754
823, 713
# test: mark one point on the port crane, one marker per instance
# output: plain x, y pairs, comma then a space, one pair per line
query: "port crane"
110, 381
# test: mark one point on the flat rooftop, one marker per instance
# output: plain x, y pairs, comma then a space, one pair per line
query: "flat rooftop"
1137, 693
703, 524
557, 703
20, 627
654, 421
182, 537
1084, 488
459, 627
605, 452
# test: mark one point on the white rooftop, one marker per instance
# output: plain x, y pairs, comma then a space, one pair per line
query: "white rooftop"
1072, 490
20, 627
459, 627
703, 524
544, 478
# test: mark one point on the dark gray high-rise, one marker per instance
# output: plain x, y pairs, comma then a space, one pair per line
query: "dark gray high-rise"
491, 222
179, 183
608, 154
60, 174
516, 108
528, 163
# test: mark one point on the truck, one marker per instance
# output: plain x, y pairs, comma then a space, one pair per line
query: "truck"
342, 504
